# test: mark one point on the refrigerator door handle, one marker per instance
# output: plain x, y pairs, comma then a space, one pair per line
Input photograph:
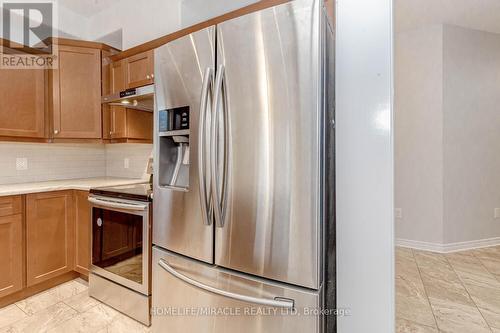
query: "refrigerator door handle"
204, 196
277, 302
220, 199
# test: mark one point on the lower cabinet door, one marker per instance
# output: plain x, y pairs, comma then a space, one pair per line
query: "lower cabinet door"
49, 235
82, 228
11, 258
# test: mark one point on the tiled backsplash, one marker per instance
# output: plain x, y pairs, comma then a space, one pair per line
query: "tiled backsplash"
137, 155
68, 161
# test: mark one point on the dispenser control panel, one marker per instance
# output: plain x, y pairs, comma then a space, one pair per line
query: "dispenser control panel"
174, 119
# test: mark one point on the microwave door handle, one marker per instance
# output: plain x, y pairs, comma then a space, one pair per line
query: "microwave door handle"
206, 90
117, 205
277, 302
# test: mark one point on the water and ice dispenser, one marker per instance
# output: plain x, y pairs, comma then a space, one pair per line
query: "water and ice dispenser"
174, 148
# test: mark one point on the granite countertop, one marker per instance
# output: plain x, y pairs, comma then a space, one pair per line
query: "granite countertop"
83, 184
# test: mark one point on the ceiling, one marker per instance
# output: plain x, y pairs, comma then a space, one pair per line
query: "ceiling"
87, 8
476, 14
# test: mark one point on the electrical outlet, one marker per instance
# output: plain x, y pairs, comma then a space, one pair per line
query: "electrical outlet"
496, 213
398, 213
21, 163
126, 163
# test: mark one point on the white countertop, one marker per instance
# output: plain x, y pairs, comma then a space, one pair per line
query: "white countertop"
84, 184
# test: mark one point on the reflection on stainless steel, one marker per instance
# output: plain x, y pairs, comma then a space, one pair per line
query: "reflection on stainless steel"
257, 134
116, 204
271, 61
276, 302
133, 304
220, 142
120, 270
179, 72
246, 317
202, 158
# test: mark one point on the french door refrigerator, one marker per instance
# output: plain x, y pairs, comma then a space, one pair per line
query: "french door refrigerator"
243, 227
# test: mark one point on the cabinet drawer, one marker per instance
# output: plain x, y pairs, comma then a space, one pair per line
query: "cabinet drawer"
10, 205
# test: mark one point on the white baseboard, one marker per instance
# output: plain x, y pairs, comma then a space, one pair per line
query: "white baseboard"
450, 247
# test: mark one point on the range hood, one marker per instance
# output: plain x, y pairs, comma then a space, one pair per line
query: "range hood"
141, 98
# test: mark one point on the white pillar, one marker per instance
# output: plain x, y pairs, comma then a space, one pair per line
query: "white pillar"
364, 161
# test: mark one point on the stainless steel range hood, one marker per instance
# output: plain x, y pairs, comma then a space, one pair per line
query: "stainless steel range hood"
141, 98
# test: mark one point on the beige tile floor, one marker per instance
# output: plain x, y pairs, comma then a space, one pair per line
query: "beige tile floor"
456, 292
65, 308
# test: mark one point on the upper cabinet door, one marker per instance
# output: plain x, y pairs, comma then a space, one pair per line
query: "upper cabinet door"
117, 76
23, 94
76, 88
139, 69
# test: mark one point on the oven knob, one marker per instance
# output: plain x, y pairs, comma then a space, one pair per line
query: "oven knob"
99, 222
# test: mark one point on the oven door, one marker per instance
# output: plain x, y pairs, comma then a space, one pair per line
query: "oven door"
120, 238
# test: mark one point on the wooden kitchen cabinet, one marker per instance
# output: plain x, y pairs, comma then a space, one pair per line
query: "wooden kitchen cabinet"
133, 72
76, 93
139, 69
118, 122
61, 104
24, 97
50, 231
127, 125
117, 77
11, 245
82, 232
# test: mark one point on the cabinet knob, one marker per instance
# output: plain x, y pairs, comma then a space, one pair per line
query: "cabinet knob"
152, 76
148, 77
56, 132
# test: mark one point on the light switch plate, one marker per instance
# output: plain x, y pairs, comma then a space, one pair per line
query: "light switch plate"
126, 163
21, 163
496, 213
398, 213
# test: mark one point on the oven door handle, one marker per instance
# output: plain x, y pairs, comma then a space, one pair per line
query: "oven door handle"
117, 205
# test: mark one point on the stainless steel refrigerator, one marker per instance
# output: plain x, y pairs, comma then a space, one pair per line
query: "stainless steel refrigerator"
243, 181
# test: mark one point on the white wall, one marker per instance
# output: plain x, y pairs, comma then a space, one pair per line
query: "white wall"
71, 24
365, 237
140, 21
447, 137
135, 24
471, 134
195, 11
418, 103
66, 23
